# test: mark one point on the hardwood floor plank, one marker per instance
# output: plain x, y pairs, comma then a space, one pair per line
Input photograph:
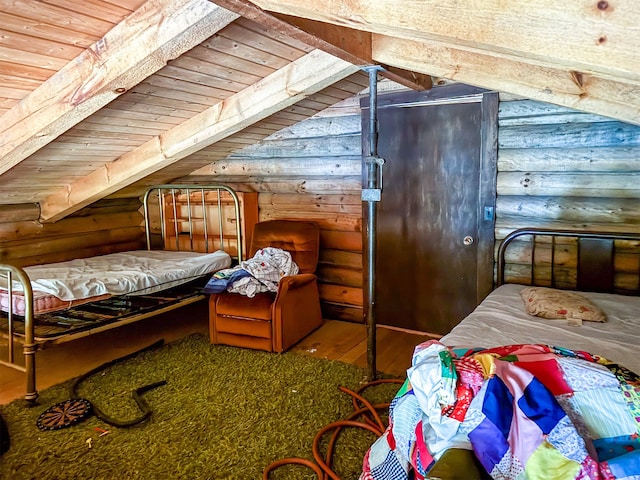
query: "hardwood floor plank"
333, 340
394, 350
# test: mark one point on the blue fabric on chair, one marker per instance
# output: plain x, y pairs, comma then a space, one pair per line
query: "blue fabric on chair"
220, 281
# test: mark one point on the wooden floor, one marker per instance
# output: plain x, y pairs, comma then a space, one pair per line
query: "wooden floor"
335, 340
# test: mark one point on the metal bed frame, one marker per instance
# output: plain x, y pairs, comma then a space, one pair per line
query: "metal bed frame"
595, 267
167, 195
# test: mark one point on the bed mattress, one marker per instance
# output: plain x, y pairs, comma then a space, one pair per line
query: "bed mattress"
65, 284
502, 320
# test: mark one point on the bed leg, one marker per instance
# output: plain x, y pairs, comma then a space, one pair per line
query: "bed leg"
30, 367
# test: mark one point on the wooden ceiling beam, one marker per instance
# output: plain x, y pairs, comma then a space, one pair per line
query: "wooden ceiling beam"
349, 44
595, 37
310, 74
595, 40
140, 45
584, 92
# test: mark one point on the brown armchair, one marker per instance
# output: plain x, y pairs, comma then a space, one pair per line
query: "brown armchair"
273, 321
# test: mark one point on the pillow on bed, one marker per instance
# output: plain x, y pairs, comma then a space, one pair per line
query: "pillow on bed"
553, 303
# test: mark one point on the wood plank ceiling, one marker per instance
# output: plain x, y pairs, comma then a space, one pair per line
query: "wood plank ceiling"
105, 97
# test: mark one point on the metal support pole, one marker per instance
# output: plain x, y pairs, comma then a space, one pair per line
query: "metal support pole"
371, 194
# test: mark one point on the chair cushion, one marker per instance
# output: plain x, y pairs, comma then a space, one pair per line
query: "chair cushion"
241, 306
301, 239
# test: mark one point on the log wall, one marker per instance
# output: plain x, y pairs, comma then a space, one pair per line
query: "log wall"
311, 171
556, 168
105, 227
559, 168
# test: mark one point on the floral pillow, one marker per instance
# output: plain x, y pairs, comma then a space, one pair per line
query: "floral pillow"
553, 303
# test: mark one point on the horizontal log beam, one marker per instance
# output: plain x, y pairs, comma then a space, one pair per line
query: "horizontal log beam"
519, 47
346, 185
340, 276
22, 212
337, 240
569, 159
294, 166
70, 226
68, 244
570, 209
325, 221
623, 185
614, 98
603, 37
341, 294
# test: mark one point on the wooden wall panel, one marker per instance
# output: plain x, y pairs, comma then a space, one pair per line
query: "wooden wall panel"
560, 168
311, 171
557, 168
107, 226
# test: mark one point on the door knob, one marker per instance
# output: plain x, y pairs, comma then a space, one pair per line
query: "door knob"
468, 240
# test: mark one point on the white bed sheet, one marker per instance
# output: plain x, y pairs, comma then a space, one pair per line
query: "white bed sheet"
137, 272
502, 320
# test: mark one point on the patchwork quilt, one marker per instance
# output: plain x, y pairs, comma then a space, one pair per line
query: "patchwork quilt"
525, 411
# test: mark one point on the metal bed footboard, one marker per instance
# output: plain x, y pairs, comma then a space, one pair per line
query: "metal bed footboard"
595, 259
166, 195
29, 345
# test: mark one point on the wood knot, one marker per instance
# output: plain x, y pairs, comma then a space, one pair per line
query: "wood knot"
602, 39
577, 78
120, 90
603, 5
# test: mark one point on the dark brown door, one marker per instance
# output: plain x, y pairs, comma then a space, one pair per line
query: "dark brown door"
434, 235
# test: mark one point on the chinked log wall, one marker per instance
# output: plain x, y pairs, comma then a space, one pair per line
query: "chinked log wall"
104, 227
311, 171
556, 168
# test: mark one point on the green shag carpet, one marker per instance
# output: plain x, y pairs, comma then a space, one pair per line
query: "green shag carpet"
225, 413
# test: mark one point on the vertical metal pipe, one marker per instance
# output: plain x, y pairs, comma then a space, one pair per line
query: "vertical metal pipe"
373, 121
205, 227
370, 313
370, 254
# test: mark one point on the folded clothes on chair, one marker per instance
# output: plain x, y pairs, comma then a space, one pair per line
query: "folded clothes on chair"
222, 279
261, 273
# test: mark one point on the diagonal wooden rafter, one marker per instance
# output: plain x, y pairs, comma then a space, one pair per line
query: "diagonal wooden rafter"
601, 48
310, 74
349, 44
134, 49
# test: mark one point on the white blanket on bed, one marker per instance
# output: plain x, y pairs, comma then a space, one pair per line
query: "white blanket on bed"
502, 320
139, 271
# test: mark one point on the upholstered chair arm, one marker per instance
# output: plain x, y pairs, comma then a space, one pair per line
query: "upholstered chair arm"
296, 309
295, 281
